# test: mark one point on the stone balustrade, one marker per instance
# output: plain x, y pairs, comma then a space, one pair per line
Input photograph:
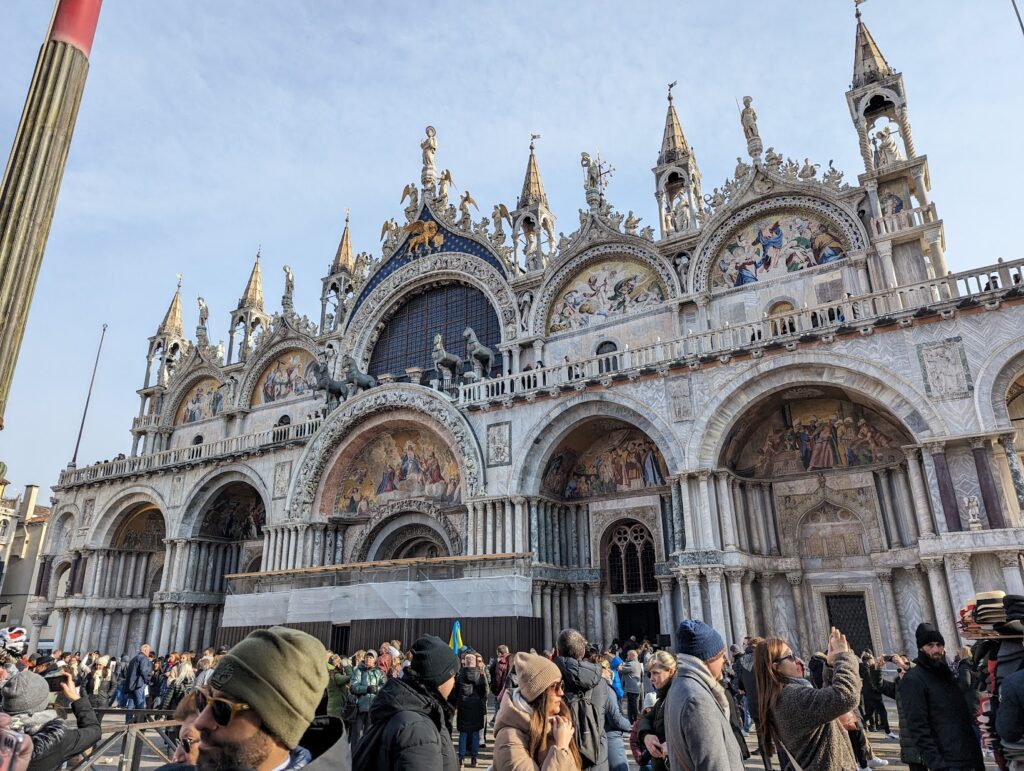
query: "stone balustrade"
891, 224
145, 421
234, 445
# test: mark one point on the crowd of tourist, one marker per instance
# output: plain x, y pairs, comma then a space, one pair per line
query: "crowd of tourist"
278, 700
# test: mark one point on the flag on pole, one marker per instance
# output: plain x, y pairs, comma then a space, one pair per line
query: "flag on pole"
455, 641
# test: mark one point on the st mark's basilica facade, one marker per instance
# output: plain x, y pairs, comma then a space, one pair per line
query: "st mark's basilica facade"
775, 410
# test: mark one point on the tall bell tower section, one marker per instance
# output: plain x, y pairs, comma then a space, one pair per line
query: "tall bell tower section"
902, 220
676, 178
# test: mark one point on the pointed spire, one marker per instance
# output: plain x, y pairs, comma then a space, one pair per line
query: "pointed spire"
343, 259
253, 295
533, 188
868, 63
172, 326
673, 143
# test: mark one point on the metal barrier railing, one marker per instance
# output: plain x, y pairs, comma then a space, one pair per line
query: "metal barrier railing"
129, 740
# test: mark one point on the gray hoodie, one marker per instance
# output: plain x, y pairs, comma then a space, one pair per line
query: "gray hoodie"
697, 728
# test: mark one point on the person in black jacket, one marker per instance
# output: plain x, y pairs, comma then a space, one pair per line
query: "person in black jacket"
1010, 715
411, 718
470, 706
938, 720
581, 680
137, 676
25, 697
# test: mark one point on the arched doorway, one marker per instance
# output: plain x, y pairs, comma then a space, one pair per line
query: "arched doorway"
227, 535
628, 558
412, 541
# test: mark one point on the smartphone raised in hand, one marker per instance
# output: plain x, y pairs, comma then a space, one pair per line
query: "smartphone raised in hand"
10, 743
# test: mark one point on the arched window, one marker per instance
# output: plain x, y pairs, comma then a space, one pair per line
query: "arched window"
284, 420
630, 557
197, 439
407, 339
781, 317
610, 363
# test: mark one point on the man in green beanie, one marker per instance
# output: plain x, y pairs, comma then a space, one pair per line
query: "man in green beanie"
260, 700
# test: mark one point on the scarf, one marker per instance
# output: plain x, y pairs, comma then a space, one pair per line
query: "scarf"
693, 666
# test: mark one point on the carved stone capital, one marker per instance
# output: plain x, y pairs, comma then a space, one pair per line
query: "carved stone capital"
960, 561
978, 443
1007, 441
1008, 559
935, 448
748, 577
795, 579
932, 564
703, 476
712, 574
765, 577
885, 576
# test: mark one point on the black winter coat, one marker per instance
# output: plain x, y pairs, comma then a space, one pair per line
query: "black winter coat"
1010, 715
908, 750
56, 741
937, 718
410, 730
652, 721
578, 677
470, 700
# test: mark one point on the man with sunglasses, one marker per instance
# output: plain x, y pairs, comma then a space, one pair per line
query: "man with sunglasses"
260, 700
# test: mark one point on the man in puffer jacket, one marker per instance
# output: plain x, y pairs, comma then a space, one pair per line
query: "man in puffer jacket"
411, 719
25, 697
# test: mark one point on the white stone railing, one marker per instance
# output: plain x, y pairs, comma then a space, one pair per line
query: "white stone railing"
145, 421
851, 312
198, 452
891, 224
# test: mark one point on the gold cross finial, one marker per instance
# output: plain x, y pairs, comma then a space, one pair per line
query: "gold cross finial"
856, 8
346, 215
179, 281
533, 138
670, 87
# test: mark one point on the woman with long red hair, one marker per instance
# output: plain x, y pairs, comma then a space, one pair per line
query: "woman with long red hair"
802, 721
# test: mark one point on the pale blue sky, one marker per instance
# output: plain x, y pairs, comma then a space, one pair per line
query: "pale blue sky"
210, 128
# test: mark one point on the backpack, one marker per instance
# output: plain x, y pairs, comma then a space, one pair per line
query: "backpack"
589, 727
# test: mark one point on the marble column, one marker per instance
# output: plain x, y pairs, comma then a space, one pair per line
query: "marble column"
905, 502
566, 623
795, 581
746, 507
947, 492
87, 629
676, 520
962, 583
891, 609
665, 615
1013, 462
489, 527
209, 626
534, 529
727, 519
762, 515
1009, 561
103, 641
896, 536
940, 600
771, 533
579, 609
59, 626
535, 590
71, 629
548, 638
152, 633
767, 615
737, 603
689, 534
714, 578
583, 545
196, 629
170, 613
989, 493
693, 588
130, 589
572, 542
511, 525
922, 507
182, 627
749, 616
684, 597
707, 533
593, 603
122, 632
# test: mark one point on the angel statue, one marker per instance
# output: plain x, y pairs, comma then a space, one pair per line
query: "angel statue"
632, 223
592, 182
443, 184
409, 191
500, 213
289, 282
204, 312
429, 148
465, 218
809, 170
388, 229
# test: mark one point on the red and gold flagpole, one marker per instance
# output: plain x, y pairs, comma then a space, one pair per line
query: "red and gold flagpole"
31, 181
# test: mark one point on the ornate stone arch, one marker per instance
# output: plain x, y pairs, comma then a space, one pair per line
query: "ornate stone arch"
544, 436
992, 385
208, 487
256, 366
562, 274
107, 521
833, 211
673, 169
63, 530
730, 400
340, 424
862, 104
792, 521
181, 388
392, 516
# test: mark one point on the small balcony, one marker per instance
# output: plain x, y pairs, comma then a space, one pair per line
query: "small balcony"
890, 225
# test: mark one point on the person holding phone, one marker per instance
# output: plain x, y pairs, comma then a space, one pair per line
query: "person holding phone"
26, 698
800, 720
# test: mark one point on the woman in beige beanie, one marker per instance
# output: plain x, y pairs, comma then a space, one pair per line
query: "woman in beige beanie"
533, 730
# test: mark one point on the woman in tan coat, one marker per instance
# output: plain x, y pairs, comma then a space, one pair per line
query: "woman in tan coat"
533, 730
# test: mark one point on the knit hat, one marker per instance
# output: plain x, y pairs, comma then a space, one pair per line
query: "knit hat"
697, 639
433, 660
280, 673
926, 633
534, 674
24, 694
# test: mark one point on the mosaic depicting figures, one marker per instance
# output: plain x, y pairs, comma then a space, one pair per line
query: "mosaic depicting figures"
291, 374
603, 291
203, 401
237, 513
618, 461
817, 434
773, 246
398, 465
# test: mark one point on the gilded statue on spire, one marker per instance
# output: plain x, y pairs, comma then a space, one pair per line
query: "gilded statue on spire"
429, 148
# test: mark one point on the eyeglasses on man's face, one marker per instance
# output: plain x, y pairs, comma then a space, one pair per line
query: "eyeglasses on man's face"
223, 710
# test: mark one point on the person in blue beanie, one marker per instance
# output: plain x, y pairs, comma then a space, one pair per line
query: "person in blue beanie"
697, 727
